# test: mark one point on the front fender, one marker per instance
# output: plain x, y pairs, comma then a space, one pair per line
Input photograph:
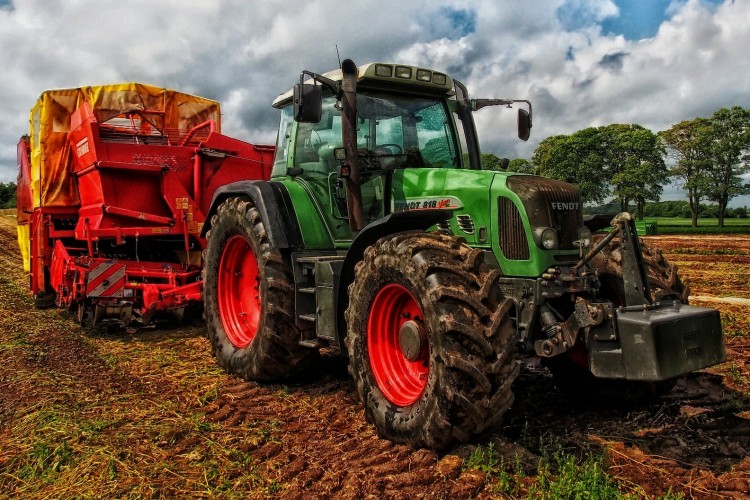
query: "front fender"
399, 222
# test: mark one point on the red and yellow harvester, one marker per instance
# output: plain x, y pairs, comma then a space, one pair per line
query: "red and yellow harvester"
114, 185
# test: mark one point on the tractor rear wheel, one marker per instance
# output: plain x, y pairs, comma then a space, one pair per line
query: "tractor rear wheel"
249, 298
430, 340
571, 370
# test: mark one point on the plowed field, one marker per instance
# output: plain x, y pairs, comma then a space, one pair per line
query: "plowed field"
98, 414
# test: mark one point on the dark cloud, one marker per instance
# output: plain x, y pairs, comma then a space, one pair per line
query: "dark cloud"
614, 61
584, 84
544, 101
473, 59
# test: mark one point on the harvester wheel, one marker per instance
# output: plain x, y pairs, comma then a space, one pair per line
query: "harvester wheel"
430, 340
249, 298
570, 370
45, 300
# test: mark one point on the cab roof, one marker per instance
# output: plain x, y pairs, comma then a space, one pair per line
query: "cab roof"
388, 75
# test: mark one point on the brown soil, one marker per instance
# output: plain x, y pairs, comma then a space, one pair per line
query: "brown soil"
99, 414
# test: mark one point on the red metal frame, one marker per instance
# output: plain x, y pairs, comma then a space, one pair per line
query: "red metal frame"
136, 188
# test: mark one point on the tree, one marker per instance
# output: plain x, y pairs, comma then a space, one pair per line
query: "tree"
730, 142
624, 160
689, 145
491, 162
578, 158
7, 195
634, 160
521, 165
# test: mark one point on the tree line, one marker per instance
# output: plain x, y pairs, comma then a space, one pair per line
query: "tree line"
674, 209
7, 195
631, 164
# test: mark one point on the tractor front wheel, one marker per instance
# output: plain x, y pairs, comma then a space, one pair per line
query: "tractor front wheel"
249, 298
430, 340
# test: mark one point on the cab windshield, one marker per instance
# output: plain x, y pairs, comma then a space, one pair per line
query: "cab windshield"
392, 132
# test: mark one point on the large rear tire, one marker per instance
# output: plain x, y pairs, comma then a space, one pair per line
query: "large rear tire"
571, 370
430, 340
249, 298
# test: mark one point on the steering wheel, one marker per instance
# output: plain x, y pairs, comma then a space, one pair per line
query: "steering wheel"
386, 147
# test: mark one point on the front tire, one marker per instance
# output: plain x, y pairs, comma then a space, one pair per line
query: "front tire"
663, 278
430, 340
249, 298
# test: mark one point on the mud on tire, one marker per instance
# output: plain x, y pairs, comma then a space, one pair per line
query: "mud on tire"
252, 329
459, 383
663, 278
570, 370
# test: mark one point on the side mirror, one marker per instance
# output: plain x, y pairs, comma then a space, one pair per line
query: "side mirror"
524, 124
308, 103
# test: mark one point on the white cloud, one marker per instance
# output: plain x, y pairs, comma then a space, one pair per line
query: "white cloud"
245, 53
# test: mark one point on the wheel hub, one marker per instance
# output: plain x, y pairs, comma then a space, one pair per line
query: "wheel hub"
397, 349
411, 340
237, 291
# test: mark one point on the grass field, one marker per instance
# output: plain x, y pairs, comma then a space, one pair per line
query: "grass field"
110, 414
683, 225
683, 221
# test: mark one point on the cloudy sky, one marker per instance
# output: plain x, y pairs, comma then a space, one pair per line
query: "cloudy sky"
581, 62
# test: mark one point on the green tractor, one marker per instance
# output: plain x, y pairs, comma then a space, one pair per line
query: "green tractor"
376, 238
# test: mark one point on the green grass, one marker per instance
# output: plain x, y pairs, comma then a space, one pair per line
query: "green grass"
708, 222
487, 460
559, 474
680, 225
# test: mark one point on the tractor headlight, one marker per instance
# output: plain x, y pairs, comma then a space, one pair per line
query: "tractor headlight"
549, 238
546, 237
403, 72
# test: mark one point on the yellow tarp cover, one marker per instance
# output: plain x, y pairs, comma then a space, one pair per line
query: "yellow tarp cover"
51, 165
25, 245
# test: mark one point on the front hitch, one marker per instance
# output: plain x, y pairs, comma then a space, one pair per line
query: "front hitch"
562, 335
637, 292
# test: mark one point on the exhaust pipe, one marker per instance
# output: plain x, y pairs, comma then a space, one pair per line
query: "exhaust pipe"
349, 137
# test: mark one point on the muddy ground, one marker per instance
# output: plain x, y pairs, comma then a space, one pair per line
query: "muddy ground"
101, 414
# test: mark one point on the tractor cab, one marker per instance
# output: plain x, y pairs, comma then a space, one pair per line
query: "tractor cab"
394, 130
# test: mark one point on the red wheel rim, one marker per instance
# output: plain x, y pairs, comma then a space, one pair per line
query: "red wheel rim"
400, 380
239, 291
